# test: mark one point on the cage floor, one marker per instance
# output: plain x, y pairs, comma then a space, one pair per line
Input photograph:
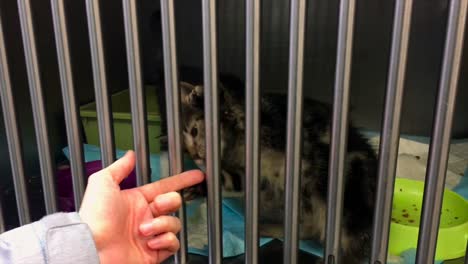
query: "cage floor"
270, 253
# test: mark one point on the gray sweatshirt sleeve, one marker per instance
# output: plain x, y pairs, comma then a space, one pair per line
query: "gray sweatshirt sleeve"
56, 239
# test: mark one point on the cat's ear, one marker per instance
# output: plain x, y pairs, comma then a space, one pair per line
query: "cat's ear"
185, 92
224, 95
191, 95
196, 97
186, 88
198, 91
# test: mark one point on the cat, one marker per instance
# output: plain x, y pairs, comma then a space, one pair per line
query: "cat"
360, 165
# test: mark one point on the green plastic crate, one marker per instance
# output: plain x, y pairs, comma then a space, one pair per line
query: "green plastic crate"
122, 117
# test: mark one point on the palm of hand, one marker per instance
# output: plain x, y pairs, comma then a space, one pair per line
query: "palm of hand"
115, 216
119, 236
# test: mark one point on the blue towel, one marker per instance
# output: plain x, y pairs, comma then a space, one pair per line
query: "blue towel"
233, 213
233, 228
462, 187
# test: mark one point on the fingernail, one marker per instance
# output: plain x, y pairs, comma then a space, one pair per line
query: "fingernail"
155, 243
145, 228
164, 200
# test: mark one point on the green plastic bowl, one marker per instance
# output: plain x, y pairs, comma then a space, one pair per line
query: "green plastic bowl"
406, 212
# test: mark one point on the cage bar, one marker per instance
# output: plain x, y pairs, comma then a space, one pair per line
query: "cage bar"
69, 100
339, 131
440, 140
252, 122
294, 130
103, 105
173, 111
391, 130
12, 134
2, 221
137, 91
38, 107
213, 170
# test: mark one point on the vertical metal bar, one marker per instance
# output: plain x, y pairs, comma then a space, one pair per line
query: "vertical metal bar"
173, 111
213, 170
252, 150
106, 133
294, 130
12, 133
38, 107
2, 221
440, 141
137, 92
391, 130
339, 131
69, 101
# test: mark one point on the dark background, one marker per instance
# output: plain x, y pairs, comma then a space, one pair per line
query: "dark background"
370, 63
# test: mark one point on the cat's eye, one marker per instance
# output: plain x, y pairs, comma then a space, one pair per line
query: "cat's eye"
194, 132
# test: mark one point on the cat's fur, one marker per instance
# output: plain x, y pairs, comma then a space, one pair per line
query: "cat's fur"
360, 170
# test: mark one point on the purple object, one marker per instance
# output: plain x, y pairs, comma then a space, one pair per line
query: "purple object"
65, 185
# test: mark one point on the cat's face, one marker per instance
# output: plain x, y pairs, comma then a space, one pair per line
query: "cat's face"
193, 134
193, 119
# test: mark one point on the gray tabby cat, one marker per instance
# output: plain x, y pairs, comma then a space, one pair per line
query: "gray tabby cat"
360, 173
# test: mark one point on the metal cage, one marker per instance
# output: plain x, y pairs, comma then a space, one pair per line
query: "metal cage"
390, 131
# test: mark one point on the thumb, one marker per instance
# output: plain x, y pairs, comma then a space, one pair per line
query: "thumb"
120, 169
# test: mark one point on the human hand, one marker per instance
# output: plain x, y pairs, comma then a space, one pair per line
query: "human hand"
132, 226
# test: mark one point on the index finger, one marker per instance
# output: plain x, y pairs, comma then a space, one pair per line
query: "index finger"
170, 184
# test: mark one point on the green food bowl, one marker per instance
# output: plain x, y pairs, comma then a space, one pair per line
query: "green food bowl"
406, 212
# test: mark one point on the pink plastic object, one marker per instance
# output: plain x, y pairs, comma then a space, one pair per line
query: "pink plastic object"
65, 185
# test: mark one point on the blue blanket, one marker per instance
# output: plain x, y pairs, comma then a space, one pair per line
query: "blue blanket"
233, 213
